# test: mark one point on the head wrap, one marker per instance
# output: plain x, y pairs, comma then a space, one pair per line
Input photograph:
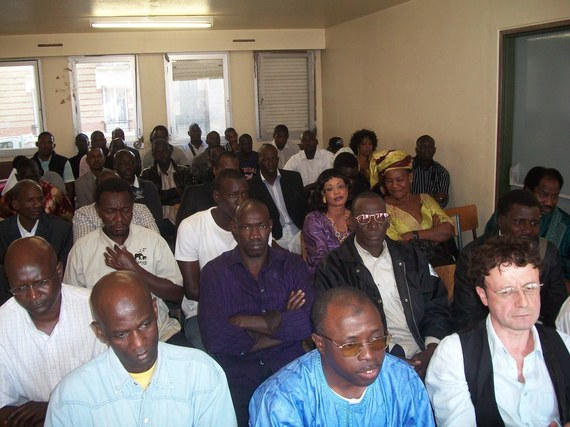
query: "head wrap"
387, 160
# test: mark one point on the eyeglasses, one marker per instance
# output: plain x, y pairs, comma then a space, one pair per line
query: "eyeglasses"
36, 285
379, 217
529, 289
353, 349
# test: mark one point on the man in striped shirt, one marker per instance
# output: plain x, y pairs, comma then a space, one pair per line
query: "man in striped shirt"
429, 176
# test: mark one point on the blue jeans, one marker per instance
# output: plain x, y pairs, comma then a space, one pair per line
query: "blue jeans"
192, 333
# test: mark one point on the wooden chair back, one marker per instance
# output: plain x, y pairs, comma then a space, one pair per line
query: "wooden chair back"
468, 219
447, 274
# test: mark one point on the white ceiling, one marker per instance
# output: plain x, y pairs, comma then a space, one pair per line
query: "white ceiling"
73, 16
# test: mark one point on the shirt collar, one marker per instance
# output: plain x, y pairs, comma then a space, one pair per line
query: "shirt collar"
496, 345
362, 251
265, 180
23, 231
136, 183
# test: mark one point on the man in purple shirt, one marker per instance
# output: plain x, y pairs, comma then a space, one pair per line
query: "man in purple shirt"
255, 306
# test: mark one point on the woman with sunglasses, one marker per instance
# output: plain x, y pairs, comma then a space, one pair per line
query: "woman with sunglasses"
414, 218
326, 225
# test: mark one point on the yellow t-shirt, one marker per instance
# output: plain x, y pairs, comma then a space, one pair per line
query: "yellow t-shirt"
143, 378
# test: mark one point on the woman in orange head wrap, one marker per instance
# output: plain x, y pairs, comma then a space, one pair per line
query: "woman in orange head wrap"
415, 218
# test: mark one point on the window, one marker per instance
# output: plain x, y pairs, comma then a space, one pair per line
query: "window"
20, 105
285, 83
197, 91
105, 95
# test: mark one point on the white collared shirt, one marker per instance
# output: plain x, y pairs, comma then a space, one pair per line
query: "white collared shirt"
310, 169
26, 233
382, 271
277, 195
532, 403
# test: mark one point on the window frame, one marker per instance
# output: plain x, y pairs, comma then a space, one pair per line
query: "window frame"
39, 110
170, 114
74, 60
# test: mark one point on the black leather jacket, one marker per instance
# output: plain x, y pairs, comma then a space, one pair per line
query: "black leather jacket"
423, 294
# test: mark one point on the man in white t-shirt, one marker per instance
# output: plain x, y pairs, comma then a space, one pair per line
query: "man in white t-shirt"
311, 160
204, 236
45, 331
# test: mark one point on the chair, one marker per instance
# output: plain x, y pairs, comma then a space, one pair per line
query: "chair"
447, 274
468, 220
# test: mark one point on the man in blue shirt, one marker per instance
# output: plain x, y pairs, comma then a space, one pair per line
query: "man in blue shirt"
349, 380
139, 380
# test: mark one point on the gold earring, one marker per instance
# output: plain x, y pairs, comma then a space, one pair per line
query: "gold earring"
324, 200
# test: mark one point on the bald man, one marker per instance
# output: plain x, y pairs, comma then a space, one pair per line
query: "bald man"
139, 380
45, 331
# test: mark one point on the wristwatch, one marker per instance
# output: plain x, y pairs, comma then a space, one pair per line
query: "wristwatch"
416, 234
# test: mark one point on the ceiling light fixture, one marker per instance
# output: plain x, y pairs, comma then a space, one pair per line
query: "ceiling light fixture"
153, 22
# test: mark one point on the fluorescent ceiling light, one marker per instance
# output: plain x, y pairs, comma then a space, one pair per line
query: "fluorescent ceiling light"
153, 22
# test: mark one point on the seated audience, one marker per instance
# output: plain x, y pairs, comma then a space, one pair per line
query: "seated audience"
326, 225
310, 161
45, 332
347, 164
363, 143
204, 236
563, 319
518, 216
82, 145
85, 184
86, 219
202, 163
255, 306
231, 137
545, 184
161, 132
143, 191
429, 176
411, 298
30, 220
335, 144
195, 146
55, 202
120, 245
348, 379
139, 380
98, 140
507, 370
282, 192
287, 149
170, 179
119, 142
200, 197
248, 159
48, 160
414, 218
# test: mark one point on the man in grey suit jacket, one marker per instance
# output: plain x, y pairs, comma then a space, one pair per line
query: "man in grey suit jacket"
282, 191
32, 221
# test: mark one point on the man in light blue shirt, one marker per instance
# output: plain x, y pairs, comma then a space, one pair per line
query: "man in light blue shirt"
348, 380
139, 381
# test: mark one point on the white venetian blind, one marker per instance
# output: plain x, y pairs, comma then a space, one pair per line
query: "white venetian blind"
285, 91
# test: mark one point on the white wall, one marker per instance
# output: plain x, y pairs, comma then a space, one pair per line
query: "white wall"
428, 66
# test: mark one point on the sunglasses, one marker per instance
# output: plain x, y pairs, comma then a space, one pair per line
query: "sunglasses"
353, 349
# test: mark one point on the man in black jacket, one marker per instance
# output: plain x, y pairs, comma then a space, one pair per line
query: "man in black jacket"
282, 192
398, 278
518, 214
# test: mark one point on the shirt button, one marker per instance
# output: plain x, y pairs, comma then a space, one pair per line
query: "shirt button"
146, 421
263, 311
261, 362
262, 290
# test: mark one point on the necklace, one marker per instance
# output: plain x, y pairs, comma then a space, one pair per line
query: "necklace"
340, 235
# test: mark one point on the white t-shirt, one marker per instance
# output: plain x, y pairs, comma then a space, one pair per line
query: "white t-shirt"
310, 169
86, 265
200, 239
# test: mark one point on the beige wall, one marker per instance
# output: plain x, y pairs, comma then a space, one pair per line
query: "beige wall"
149, 47
428, 66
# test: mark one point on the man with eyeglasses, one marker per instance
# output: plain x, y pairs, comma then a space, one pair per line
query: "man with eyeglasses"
45, 331
518, 216
349, 379
411, 298
255, 306
505, 370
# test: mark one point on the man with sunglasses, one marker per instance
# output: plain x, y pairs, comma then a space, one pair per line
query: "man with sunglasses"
45, 331
411, 298
505, 370
349, 379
